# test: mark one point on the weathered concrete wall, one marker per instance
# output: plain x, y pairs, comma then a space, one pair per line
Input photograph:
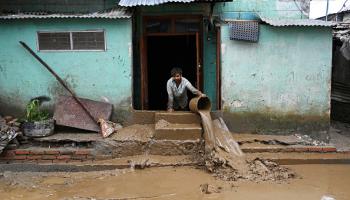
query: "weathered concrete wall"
280, 84
95, 75
248, 9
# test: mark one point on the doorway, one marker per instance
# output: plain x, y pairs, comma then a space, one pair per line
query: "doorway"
167, 42
164, 53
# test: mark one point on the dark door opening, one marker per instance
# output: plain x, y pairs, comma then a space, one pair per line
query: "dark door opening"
164, 53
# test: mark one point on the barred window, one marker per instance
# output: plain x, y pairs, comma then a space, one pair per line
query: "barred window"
72, 40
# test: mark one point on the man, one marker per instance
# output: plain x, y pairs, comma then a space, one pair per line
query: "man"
177, 87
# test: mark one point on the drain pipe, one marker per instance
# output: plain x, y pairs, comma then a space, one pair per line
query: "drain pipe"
327, 10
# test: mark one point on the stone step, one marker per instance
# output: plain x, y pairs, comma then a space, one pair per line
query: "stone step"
85, 140
178, 117
178, 132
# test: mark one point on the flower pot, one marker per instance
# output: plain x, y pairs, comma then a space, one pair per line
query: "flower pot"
38, 128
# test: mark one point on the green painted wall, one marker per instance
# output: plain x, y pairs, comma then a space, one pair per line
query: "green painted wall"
249, 9
95, 75
280, 82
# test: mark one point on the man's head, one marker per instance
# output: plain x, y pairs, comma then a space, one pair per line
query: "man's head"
176, 73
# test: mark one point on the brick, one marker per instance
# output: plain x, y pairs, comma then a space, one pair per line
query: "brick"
20, 157
52, 152
66, 152
48, 157
79, 157
301, 149
7, 157
64, 157
82, 152
8, 153
329, 149
315, 149
37, 152
22, 152
33, 157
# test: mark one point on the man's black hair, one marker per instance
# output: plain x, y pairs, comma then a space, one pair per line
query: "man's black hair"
175, 71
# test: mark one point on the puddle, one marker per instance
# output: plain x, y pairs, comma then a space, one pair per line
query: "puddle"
174, 183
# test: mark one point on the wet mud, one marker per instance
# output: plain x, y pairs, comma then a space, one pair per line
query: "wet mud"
224, 158
174, 183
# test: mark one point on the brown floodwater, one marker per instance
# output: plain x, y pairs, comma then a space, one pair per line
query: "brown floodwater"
174, 183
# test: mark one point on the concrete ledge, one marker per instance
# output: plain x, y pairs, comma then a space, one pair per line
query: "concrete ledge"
178, 117
297, 158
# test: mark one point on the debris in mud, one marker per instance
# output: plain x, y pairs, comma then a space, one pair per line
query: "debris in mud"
9, 129
161, 124
209, 189
224, 158
108, 127
232, 166
252, 170
307, 140
139, 164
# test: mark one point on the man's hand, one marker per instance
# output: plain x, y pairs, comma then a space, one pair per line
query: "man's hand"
200, 94
170, 110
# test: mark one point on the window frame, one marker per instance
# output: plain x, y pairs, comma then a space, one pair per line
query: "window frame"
71, 41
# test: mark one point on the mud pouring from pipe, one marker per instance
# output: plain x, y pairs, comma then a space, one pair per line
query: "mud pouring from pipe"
213, 136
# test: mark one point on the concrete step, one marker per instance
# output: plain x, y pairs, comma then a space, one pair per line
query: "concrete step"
66, 140
178, 132
178, 117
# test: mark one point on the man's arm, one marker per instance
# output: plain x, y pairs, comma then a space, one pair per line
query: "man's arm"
193, 89
170, 97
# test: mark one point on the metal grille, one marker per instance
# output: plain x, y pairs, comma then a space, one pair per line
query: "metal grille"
54, 41
88, 41
69, 41
244, 30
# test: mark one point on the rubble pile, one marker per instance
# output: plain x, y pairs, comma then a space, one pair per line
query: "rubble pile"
10, 134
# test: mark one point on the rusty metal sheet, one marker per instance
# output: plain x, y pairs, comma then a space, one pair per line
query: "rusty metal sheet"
69, 113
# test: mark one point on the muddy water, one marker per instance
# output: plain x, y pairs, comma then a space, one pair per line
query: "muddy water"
224, 158
214, 136
207, 124
174, 183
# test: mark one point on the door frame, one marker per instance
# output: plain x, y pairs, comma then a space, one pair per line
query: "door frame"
172, 32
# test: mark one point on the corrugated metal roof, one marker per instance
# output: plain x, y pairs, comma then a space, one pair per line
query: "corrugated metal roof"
129, 3
115, 13
297, 22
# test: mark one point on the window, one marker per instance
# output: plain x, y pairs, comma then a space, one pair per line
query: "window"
244, 30
172, 24
72, 41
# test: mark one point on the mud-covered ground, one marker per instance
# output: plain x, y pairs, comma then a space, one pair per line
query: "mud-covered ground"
313, 182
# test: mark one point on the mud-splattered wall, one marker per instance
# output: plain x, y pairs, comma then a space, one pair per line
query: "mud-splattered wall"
279, 84
98, 75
